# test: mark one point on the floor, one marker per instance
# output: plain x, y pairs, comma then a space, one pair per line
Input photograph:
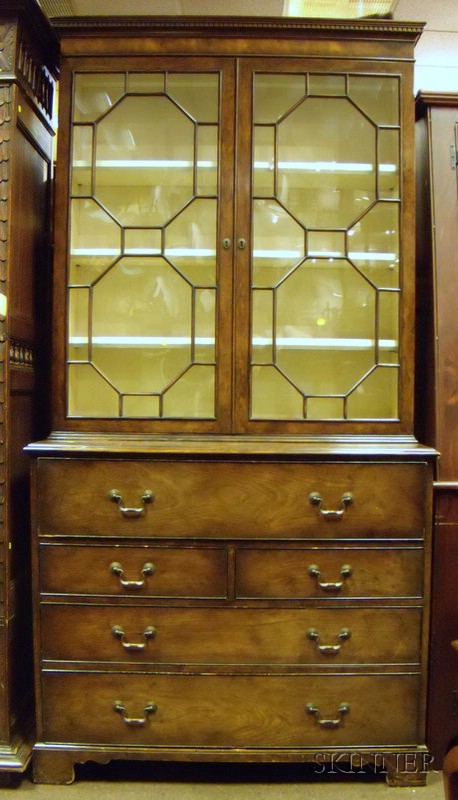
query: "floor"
135, 781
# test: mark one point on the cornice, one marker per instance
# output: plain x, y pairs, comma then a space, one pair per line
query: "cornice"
234, 26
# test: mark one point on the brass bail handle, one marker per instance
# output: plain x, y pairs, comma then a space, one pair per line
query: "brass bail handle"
329, 649
117, 569
126, 511
325, 722
330, 586
315, 499
134, 722
133, 647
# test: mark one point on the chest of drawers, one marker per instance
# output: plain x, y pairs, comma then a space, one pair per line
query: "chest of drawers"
235, 609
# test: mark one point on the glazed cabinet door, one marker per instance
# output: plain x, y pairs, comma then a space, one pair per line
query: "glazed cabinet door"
148, 287
324, 272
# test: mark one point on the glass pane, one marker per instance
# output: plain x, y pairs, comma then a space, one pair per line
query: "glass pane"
142, 241
192, 396
264, 161
377, 96
325, 327
142, 324
95, 94
82, 161
326, 172
388, 160
325, 408
207, 159
78, 316
261, 326
274, 95
273, 397
89, 394
197, 94
278, 243
388, 327
190, 242
327, 84
145, 161
205, 310
95, 237
377, 396
373, 245
136, 406
330, 244
146, 82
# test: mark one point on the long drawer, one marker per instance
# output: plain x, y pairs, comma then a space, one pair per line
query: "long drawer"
296, 573
231, 499
231, 711
219, 636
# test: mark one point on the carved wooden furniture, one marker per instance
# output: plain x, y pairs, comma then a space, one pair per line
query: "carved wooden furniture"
232, 515
28, 58
437, 254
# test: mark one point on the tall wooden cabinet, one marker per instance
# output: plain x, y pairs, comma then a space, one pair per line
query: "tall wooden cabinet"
28, 61
231, 514
437, 254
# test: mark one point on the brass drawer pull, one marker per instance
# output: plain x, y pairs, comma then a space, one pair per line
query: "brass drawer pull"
328, 649
116, 569
315, 499
330, 586
343, 709
134, 722
133, 647
116, 497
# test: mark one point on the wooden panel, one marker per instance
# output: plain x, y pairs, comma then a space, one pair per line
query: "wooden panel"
239, 635
232, 499
228, 711
180, 572
286, 573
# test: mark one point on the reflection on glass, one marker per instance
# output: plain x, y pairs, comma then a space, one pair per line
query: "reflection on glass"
327, 84
377, 96
193, 395
274, 95
326, 162
198, 94
325, 322
96, 93
89, 393
143, 244
278, 243
388, 164
373, 245
376, 397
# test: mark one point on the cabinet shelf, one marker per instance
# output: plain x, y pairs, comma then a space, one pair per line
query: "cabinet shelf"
325, 343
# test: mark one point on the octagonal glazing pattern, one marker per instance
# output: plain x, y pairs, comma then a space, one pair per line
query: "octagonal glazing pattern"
325, 330
142, 290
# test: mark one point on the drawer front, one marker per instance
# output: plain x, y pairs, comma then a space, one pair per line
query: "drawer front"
230, 711
230, 499
327, 573
238, 636
138, 571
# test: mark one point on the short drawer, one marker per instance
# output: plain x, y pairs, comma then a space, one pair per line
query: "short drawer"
328, 572
230, 636
231, 499
139, 571
231, 711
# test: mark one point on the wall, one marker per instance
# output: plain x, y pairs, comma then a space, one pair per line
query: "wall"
436, 54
